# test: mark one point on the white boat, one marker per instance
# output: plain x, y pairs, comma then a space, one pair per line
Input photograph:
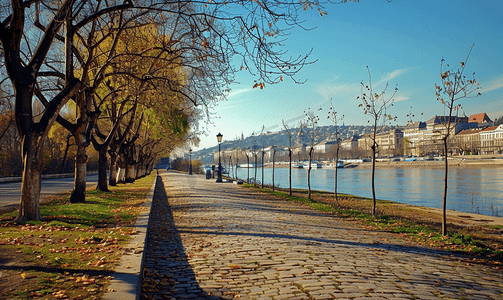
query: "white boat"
250, 165
305, 165
298, 165
340, 164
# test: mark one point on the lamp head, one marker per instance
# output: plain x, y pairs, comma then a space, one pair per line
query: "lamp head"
219, 137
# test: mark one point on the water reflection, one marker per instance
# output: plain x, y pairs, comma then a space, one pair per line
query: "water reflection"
478, 190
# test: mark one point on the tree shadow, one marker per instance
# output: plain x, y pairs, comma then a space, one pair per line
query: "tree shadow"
167, 270
168, 258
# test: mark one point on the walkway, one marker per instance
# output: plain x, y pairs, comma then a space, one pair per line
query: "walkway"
212, 240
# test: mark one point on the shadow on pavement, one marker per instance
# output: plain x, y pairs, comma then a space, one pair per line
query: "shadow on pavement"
167, 271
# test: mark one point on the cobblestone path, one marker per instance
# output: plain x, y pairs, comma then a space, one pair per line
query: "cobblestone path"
212, 240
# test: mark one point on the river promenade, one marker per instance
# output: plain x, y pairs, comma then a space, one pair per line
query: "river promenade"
209, 240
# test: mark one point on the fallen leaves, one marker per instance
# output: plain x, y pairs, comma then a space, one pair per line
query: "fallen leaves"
85, 279
60, 294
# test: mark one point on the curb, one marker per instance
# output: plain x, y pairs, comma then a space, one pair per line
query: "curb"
128, 274
50, 176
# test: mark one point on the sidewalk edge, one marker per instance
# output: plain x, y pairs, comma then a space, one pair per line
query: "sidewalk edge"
127, 275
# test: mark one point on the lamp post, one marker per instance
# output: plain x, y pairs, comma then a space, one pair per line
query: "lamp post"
190, 161
219, 138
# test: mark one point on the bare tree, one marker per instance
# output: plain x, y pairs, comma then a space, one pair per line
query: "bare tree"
311, 123
273, 148
290, 134
375, 105
335, 118
454, 87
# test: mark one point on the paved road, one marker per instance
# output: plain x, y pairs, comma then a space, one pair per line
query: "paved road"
220, 241
10, 193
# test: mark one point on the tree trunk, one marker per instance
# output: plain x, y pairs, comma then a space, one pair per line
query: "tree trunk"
248, 167
273, 157
309, 174
444, 199
255, 179
112, 179
121, 175
374, 201
31, 184
79, 186
102, 170
335, 186
62, 169
237, 166
262, 170
290, 170
130, 173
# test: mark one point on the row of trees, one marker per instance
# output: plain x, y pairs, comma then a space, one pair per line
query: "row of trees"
132, 79
454, 87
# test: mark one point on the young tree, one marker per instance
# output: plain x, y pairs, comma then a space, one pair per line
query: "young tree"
454, 87
332, 115
273, 148
312, 123
290, 134
375, 105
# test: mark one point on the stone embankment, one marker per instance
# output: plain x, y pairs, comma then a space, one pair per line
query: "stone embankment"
212, 240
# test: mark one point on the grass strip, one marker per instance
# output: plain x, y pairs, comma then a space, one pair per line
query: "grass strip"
73, 251
402, 222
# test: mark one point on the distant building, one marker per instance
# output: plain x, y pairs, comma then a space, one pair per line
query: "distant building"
350, 144
481, 118
467, 141
390, 142
324, 147
413, 136
491, 140
436, 129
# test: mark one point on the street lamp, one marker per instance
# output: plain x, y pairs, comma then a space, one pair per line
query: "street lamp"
219, 138
190, 161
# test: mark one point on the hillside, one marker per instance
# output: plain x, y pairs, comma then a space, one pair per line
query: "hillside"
280, 139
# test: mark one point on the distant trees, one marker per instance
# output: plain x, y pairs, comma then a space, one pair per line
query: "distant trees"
454, 87
375, 105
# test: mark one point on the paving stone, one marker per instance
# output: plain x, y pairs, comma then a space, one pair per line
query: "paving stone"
219, 241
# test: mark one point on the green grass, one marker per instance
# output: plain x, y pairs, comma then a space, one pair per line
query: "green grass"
424, 234
86, 238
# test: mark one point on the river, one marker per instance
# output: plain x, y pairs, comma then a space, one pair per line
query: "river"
472, 190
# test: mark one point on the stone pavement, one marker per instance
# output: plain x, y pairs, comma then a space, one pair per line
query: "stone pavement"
211, 240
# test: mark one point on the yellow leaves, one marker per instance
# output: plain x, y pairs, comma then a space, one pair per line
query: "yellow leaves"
271, 34
322, 13
59, 294
205, 43
23, 275
85, 279
261, 85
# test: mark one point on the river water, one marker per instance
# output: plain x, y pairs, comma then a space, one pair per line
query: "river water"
472, 190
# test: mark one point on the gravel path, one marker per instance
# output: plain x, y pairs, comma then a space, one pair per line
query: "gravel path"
211, 240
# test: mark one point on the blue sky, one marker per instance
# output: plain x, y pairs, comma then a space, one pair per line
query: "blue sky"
402, 43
